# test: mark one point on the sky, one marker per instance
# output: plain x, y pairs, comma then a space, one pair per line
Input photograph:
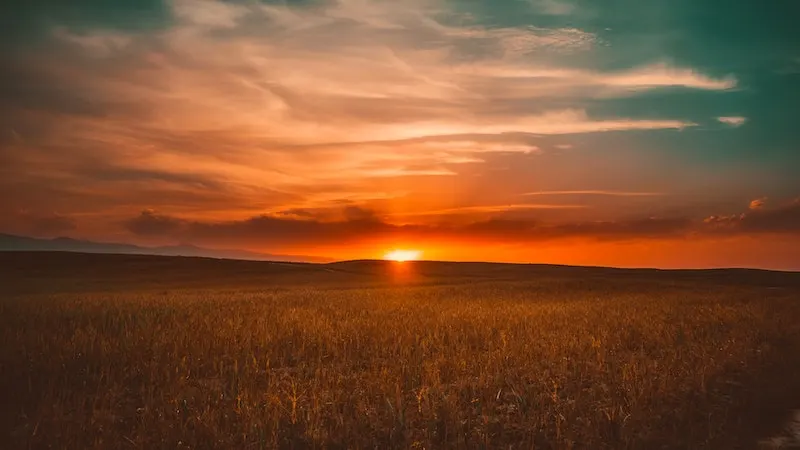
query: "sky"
626, 133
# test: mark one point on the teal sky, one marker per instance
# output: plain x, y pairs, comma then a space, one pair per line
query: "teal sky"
317, 126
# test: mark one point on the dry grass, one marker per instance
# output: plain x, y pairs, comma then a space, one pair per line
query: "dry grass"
522, 362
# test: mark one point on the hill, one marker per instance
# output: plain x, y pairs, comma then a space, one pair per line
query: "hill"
10, 242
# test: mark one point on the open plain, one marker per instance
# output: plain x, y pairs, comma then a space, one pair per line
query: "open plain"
141, 352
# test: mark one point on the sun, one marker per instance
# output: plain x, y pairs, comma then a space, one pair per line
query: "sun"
402, 255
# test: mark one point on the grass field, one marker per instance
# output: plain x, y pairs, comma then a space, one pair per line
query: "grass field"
102, 351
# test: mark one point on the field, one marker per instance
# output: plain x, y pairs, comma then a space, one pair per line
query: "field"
104, 351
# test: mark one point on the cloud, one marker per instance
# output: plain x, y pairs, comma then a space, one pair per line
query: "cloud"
665, 75
97, 43
467, 147
733, 121
567, 121
546, 81
362, 225
209, 13
473, 210
758, 203
280, 230
521, 41
552, 7
358, 213
599, 192
512, 43
149, 223
782, 219
649, 227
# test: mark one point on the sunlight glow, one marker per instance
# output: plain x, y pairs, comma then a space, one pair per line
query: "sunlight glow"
402, 255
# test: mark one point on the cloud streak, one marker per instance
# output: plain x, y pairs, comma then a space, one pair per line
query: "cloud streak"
759, 219
368, 226
733, 121
598, 192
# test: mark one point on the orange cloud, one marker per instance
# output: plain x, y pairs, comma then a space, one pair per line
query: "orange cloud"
758, 203
307, 228
598, 192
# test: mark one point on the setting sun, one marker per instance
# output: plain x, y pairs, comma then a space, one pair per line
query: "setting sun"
402, 255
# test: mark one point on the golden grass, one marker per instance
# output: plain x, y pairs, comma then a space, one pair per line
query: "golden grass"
495, 364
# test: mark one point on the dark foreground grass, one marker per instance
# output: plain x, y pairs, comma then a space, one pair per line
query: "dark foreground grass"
522, 358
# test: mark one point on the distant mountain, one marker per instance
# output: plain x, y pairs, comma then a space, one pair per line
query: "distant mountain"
9, 242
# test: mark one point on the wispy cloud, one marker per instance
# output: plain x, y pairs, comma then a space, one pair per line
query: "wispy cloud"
599, 192
665, 75
209, 13
96, 43
471, 210
734, 121
553, 7
548, 81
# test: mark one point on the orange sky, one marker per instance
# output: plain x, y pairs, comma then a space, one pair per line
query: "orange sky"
346, 128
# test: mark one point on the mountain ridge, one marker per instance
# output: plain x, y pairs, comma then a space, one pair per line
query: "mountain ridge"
11, 242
